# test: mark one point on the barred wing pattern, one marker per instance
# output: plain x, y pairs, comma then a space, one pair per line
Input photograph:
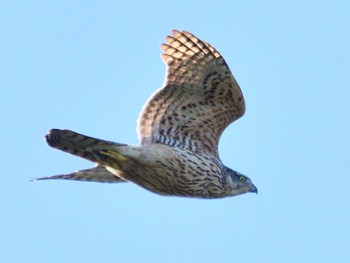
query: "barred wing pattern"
199, 99
179, 130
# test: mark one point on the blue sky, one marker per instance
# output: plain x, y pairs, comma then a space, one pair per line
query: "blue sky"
89, 66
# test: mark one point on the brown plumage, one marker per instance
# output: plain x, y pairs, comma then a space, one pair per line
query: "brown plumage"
179, 130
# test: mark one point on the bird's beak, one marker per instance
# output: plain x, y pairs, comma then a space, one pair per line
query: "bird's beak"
254, 189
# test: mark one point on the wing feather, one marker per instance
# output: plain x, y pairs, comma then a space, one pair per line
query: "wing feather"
199, 99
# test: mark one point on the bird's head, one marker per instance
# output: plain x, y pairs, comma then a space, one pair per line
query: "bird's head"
239, 183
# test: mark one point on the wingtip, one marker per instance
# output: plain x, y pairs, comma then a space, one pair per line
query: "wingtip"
175, 31
43, 178
39, 179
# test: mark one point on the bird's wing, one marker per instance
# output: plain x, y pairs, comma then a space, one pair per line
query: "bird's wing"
199, 99
96, 174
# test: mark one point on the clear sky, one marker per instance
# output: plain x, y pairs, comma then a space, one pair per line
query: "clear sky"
89, 66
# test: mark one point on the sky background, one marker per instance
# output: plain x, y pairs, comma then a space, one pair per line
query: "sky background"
89, 66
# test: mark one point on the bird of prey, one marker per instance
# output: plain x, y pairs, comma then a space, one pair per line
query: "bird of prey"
179, 130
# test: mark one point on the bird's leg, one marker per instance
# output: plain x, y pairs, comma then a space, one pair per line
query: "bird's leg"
104, 154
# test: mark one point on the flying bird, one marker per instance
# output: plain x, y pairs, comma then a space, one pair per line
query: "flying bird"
179, 129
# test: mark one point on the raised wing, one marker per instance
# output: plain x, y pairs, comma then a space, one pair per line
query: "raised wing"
199, 99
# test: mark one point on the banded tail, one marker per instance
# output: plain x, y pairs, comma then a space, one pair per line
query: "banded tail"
88, 148
80, 145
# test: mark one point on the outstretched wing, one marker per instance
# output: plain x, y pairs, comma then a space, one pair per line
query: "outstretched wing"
199, 99
97, 174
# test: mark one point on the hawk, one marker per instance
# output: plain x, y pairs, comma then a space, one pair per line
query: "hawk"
179, 130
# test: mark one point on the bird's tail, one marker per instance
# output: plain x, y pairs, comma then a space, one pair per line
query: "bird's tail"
89, 148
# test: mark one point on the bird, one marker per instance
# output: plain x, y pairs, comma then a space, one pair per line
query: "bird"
179, 129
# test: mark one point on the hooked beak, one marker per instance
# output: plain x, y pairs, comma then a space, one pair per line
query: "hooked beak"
253, 189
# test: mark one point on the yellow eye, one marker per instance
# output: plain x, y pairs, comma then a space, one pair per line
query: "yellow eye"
242, 178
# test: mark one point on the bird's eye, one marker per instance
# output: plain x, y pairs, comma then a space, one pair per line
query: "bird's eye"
242, 178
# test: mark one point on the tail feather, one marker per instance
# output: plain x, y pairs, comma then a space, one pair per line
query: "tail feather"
80, 145
96, 174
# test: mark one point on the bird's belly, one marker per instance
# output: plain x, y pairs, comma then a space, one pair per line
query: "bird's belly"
174, 173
